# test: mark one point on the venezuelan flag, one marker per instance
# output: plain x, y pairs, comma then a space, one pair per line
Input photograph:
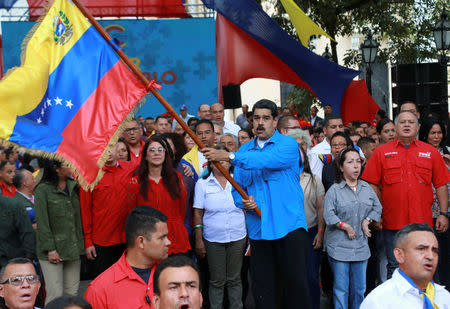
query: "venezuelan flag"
71, 92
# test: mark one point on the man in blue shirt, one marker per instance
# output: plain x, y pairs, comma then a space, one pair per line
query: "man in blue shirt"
267, 168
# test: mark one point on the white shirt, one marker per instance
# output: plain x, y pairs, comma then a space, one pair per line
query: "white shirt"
222, 221
398, 293
232, 128
314, 162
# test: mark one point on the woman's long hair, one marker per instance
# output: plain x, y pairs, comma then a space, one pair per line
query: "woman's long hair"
50, 174
169, 176
425, 129
180, 148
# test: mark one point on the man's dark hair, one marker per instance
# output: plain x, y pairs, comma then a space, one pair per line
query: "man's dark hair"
354, 134
204, 121
13, 262
191, 120
142, 221
149, 118
3, 163
284, 120
330, 117
162, 117
413, 227
18, 178
176, 261
365, 142
64, 302
409, 102
267, 104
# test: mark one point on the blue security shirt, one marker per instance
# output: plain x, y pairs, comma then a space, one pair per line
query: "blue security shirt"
272, 176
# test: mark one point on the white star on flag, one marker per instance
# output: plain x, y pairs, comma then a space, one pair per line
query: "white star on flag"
39, 120
58, 101
69, 104
49, 102
42, 112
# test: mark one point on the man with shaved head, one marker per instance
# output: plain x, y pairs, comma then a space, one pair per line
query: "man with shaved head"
217, 114
411, 286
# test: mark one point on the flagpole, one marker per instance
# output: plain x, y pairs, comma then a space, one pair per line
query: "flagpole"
166, 105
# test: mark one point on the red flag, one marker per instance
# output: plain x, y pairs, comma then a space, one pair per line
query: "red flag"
117, 8
357, 103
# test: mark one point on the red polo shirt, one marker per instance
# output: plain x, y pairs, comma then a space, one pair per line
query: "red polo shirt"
104, 210
6, 191
137, 159
120, 287
406, 176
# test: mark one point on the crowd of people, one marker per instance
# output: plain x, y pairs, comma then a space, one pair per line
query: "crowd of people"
356, 213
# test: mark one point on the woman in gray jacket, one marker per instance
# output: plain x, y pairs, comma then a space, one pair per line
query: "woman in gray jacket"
350, 205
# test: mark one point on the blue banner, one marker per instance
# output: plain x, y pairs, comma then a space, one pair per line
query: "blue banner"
179, 54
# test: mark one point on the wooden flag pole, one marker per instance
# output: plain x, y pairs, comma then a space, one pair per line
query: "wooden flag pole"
166, 105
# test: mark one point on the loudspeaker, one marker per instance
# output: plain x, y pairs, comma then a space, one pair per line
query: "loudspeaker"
419, 82
231, 96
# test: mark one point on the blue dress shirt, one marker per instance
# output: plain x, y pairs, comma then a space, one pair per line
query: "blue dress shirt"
272, 176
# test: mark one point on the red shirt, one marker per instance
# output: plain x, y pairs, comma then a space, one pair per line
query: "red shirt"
5, 190
120, 287
175, 210
137, 159
406, 176
105, 209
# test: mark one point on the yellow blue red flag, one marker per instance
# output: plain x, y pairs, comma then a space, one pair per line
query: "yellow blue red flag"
71, 92
304, 25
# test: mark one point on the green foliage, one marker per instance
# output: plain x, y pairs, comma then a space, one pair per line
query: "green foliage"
405, 24
302, 99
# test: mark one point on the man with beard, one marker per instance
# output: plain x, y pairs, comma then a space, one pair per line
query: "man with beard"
268, 170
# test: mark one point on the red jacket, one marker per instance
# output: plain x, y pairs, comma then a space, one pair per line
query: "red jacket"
5, 191
120, 287
104, 210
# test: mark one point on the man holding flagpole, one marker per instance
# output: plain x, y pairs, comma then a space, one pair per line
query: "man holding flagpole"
267, 168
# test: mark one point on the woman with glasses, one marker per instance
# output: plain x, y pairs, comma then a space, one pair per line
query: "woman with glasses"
350, 205
158, 185
59, 234
338, 142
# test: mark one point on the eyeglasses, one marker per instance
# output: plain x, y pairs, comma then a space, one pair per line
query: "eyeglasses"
160, 150
18, 280
131, 130
338, 145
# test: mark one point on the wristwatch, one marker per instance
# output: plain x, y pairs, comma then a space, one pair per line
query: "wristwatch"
368, 219
445, 214
231, 156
